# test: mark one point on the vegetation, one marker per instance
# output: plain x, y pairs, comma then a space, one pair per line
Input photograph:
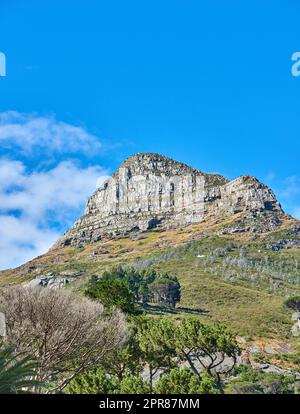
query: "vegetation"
111, 293
183, 381
66, 333
133, 385
293, 303
210, 345
250, 381
81, 348
91, 382
123, 287
189, 340
238, 281
155, 343
223, 278
17, 372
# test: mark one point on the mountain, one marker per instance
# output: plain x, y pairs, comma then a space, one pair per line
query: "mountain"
150, 190
234, 250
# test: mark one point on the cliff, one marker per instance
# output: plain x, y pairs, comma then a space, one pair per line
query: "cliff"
151, 190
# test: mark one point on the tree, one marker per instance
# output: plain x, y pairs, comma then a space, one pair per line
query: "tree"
293, 303
208, 344
156, 351
165, 290
126, 361
145, 285
67, 333
183, 381
132, 384
92, 382
189, 340
16, 372
112, 293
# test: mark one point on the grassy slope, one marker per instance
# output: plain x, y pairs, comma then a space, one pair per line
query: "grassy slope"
237, 280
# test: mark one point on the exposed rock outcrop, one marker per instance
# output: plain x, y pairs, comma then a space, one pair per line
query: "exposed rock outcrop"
53, 280
150, 190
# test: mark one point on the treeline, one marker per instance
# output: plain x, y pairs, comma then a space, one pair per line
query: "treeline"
126, 287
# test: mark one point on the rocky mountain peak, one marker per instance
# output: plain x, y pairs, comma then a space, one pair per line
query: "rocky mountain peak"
150, 190
156, 164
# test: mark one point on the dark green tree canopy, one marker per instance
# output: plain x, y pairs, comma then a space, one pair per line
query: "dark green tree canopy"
184, 381
112, 293
293, 303
145, 286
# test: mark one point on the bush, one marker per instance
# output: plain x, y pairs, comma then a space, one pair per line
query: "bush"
91, 382
16, 372
165, 290
250, 381
66, 333
183, 381
99, 382
133, 385
112, 293
293, 303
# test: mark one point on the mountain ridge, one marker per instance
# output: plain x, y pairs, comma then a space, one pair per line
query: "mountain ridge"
150, 190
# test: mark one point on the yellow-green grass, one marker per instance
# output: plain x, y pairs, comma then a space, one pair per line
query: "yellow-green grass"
247, 307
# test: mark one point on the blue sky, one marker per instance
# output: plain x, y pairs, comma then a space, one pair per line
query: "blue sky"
89, 83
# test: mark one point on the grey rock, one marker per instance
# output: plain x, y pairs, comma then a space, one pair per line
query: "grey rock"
273, 369
152, 191
50, 280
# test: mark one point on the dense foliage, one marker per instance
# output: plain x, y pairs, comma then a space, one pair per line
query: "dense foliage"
123, 287
183, 381
17, 372
66, 333
81, 347
293, 303
112, 293
250, 381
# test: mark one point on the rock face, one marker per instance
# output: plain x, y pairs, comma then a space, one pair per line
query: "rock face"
52, 280
150, 190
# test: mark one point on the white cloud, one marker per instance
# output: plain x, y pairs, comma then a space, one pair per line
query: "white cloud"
32, 205
290, 187
30, 132
22, 239
41, 191
288, 191
296, 213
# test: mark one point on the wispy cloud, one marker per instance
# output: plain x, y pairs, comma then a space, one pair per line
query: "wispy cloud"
287, 191
29, 132
34, 207
38, 201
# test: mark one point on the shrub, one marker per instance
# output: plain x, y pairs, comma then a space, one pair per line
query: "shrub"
65, 332
16, 372
112, 293
183, 381
250, 381
293, 303
133, 385
91, 382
